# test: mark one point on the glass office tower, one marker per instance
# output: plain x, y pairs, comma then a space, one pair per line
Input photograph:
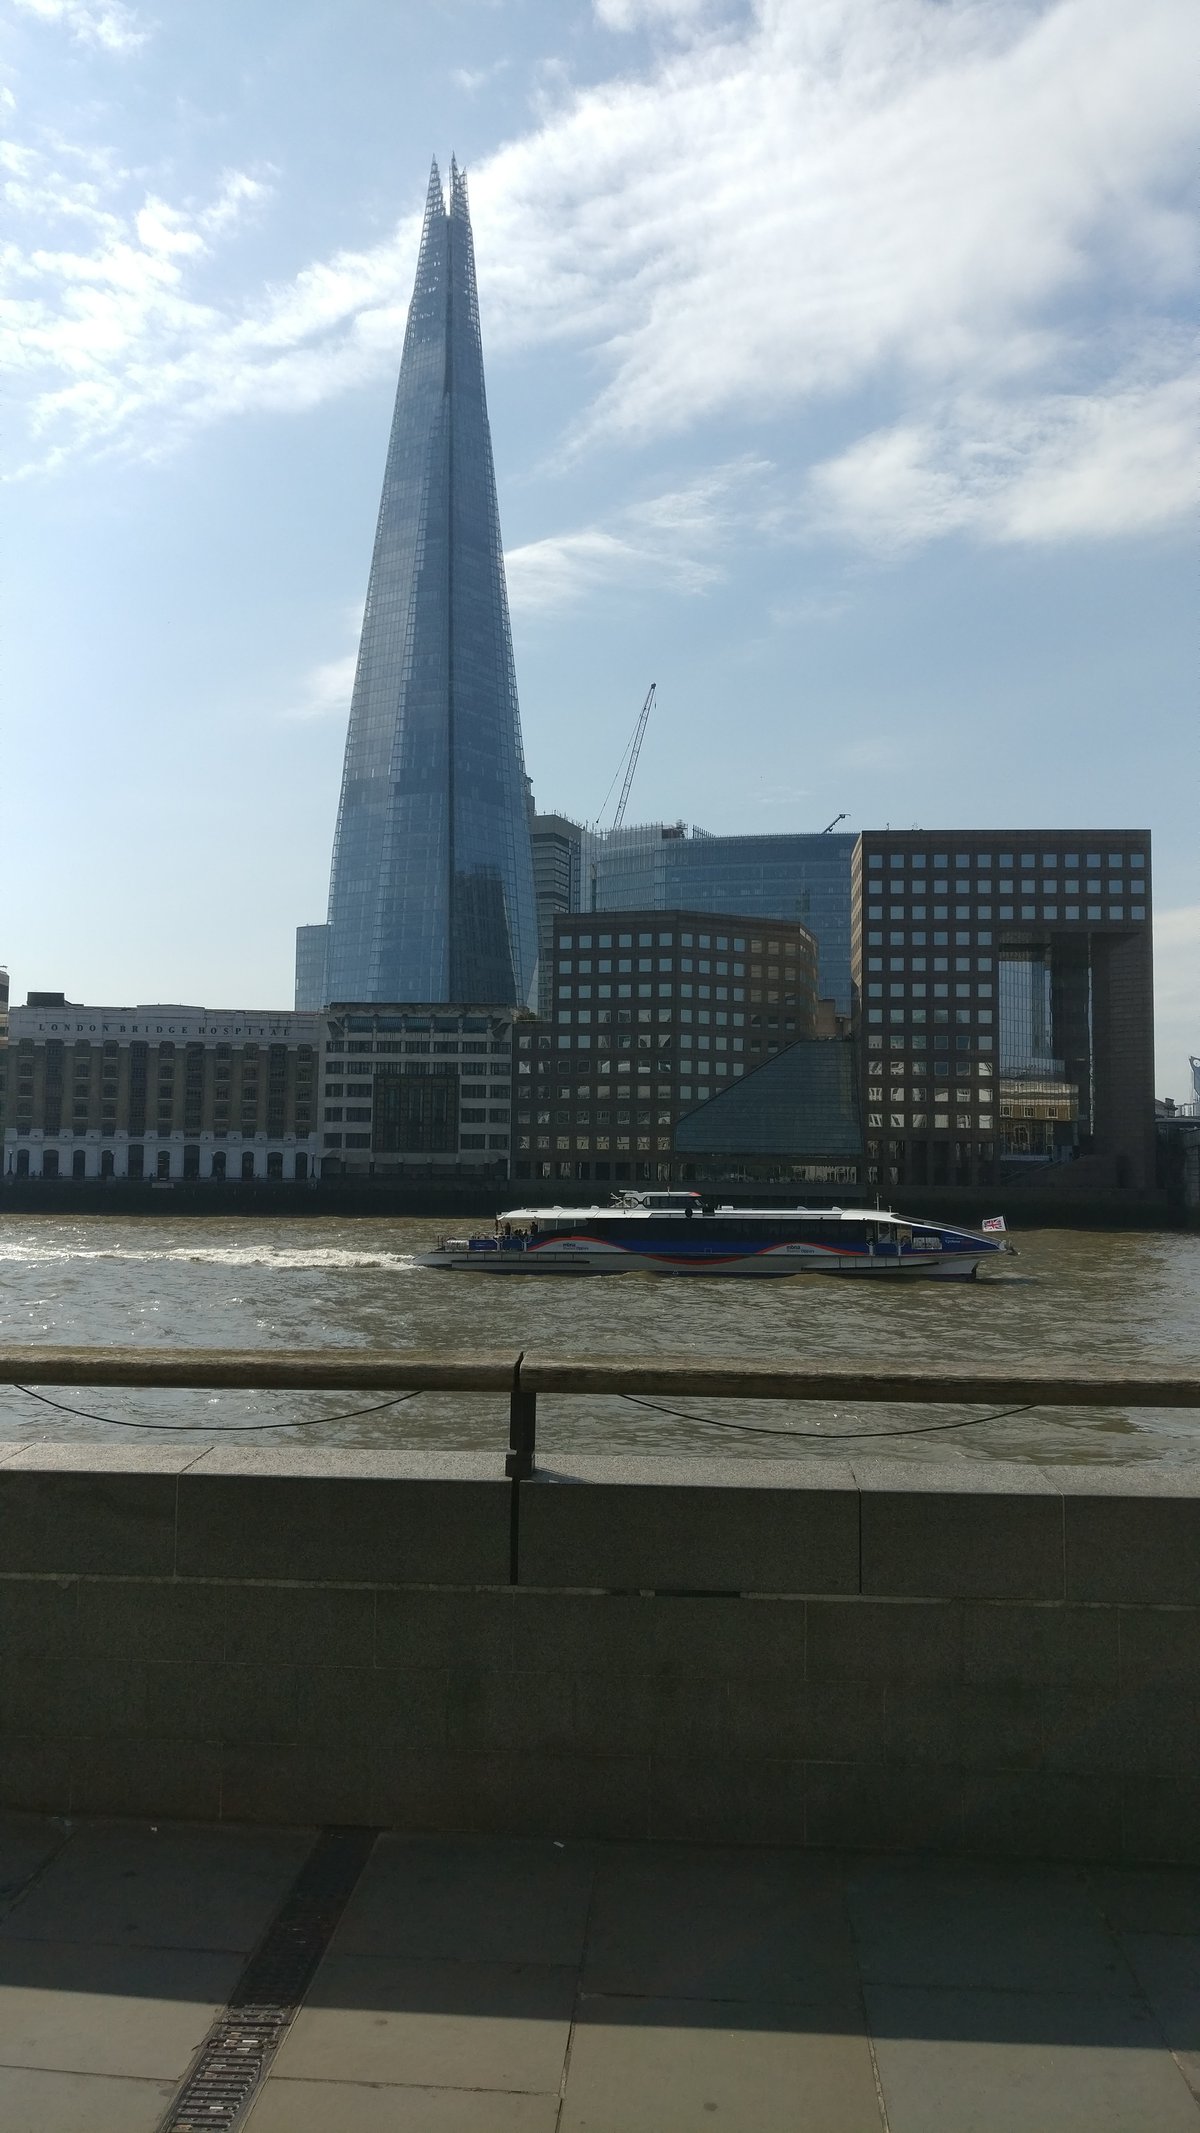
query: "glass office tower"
661, 866
431, 889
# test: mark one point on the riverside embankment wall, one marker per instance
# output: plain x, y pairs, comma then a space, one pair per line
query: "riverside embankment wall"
1002, 1659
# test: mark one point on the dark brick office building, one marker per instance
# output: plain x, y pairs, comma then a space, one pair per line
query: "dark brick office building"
1004, 986
653, 1013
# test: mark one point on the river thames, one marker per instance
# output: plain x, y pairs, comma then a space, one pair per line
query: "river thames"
1082, 1298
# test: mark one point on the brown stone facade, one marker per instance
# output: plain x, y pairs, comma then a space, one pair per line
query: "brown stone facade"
166, 1092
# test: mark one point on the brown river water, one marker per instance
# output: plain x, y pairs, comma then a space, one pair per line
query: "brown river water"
1075, 1297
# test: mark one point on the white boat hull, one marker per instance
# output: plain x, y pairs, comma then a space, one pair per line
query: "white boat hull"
562, 1257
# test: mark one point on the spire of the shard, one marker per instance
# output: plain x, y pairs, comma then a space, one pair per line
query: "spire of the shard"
431, 890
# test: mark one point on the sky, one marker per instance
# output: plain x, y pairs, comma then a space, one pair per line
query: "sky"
843, 374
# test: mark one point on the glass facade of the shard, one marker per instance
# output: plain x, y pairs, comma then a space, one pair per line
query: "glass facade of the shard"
431, 890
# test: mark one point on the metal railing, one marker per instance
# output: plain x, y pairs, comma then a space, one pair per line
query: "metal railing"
523, 1374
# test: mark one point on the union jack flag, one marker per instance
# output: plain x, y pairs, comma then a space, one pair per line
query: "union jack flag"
993, 1222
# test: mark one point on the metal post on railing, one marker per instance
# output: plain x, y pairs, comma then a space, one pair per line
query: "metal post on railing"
522, 1428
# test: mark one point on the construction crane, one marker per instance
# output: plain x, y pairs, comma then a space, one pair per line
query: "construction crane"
630, 760
832, 825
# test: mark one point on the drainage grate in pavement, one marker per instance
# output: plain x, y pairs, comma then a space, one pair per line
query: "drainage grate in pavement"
243, 2040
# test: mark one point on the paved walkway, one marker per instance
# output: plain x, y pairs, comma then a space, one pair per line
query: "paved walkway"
477, 1986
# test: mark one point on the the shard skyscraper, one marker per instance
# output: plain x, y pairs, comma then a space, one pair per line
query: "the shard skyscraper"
431, 890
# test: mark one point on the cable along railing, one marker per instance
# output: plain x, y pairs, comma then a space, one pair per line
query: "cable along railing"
522, 1374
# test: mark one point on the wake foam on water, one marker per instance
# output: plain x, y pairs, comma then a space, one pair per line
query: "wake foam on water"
281, 1259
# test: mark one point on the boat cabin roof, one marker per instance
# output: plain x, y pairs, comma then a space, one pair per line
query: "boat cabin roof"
675, 1206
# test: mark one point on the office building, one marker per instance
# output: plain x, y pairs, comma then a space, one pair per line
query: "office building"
417, 1090
653, 1012
3, 1043
431, 886
160, 1092
1005, 985
312, 955
557, 883
665, 866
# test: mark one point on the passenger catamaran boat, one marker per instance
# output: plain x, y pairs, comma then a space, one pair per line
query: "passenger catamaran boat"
680, 1233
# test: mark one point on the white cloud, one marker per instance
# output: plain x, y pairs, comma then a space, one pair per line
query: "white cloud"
326, 689
107, 24
673, 540
471, 79
983, 215
1067, 466
628, 14
1176, 998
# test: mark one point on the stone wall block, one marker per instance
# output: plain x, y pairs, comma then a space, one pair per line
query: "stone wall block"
585, 1632
530, 1712
1160, 1644
1007, 1642
1151, 1729
1160, 1817
835, 1721
614, 1713
884, 1640
691, 1717
437, 1629
183, 1700
923, 1724
39, 1617
319, 1529
732, 1636
315, 1625
1047, 1814
919, 1543
1135, 1550
515, 1795
881, 1807
408, 1707
35, 1774
727, 1800
180, 1780
295, 1785
689, 1539
165, 1620
68, 1697
102, 1524
257, 1706
1000, 1727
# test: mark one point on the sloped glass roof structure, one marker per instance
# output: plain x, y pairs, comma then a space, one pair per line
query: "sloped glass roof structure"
804, 1102
431, 888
